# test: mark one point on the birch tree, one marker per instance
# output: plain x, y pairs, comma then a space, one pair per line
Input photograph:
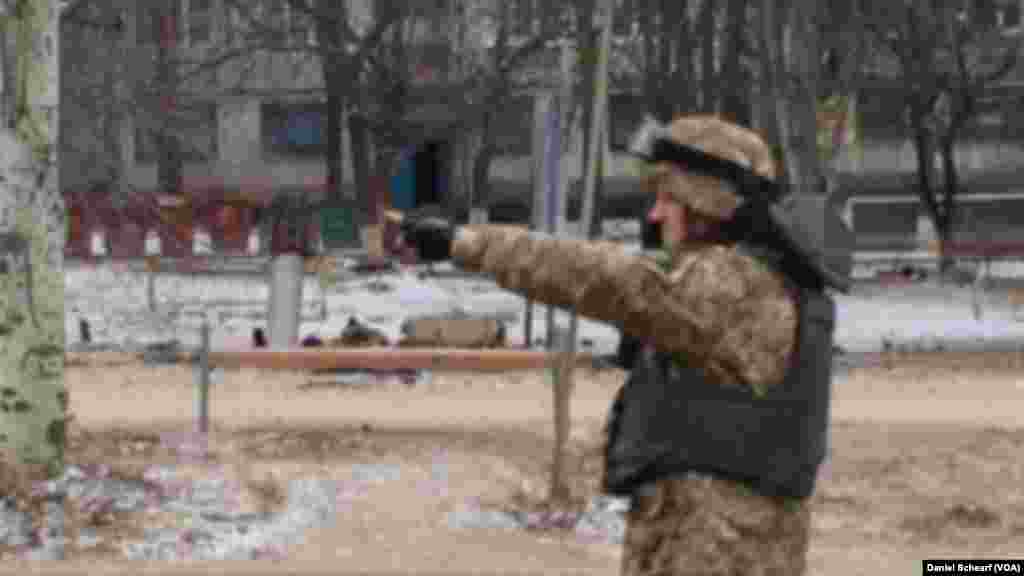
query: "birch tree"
33, 398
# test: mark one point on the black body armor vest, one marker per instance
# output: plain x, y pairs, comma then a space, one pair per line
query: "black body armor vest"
668, 420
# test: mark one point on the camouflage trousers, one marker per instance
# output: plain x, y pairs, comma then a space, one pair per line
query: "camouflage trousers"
697, 525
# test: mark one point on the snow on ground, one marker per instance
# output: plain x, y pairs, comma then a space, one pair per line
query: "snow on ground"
114, 301
926, 315
115, 304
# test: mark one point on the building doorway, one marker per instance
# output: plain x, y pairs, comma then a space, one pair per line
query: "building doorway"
422, 177
431, 163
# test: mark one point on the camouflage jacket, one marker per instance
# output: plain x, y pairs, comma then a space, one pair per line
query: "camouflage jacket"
727, 312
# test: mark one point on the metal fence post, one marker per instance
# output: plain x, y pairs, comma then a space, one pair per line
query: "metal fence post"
152, 266
203, 408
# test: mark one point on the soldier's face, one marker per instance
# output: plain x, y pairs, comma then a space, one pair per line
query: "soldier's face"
670, 215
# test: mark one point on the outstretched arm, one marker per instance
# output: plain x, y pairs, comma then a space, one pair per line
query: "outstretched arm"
721, 308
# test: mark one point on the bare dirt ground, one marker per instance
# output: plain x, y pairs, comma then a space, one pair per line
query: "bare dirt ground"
927, 461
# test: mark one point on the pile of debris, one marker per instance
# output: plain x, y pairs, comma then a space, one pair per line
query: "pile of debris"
454, 331
451, 331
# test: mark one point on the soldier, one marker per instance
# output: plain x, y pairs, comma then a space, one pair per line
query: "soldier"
719, 431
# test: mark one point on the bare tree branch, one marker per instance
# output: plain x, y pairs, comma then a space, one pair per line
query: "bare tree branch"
273, 38
76, 18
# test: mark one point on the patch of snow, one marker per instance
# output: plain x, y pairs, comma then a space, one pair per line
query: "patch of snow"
925, 315
376, 473
604, 519
469, 517
114, 302
15, 527
208, 528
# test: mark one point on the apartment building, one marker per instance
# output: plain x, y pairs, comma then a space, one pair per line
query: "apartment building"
252, 128
878, 187
269, 139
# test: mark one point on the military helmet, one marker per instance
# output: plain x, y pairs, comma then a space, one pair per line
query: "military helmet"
727, 172
717, 138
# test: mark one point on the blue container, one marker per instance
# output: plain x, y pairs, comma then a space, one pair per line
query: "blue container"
403, 183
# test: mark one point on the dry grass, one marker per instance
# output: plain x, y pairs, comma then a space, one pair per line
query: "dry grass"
925, 459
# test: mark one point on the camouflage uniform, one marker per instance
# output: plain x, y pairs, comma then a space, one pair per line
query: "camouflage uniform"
725, 311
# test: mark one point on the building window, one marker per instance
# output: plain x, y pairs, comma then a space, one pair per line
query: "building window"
625, 113
148, 25
294, 128
275, 19
888, 225
195, 129
1009, 15
301, 29
524, 17
531, 17
276, 23
430, 64
513, 128
200, 14
625, 13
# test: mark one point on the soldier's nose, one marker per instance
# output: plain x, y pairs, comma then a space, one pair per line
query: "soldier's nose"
657, 211
654, 214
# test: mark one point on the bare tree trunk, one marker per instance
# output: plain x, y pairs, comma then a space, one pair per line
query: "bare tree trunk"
587, 42
652, 75
333, 68
792, 38
550, 13
599, 107
947, 220
597, 218
33, 398
334, 77
111, 116
735, 94
680, 80
768, 78
170, 163
941, 212
925, 157
667, 24
496, 91
482, 170
844, 40
804, 170
708, 77
496, 94
359, 142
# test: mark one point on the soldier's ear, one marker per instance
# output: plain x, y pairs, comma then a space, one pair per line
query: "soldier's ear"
651, 234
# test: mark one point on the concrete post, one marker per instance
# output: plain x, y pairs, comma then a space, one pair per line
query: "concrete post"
286, 277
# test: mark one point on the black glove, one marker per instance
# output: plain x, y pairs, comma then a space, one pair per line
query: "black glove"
431, 237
